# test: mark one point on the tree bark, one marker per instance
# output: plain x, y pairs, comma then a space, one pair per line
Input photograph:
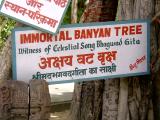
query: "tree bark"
88, 96
74, 11
155, 48
110, 99
6, 59
5, 64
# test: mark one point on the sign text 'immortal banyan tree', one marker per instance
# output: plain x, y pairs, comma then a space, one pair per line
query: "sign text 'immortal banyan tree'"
82, 52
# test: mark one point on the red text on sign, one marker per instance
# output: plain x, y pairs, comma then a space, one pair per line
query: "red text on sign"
128, 30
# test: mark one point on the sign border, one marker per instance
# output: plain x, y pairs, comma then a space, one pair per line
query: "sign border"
14, 69
34, 26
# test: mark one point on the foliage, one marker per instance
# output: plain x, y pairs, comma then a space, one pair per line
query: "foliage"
81, 7
5, 29
67, 17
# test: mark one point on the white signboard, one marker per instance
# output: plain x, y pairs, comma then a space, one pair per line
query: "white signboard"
82, 52
42, 14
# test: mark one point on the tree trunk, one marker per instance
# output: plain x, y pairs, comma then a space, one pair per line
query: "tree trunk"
74, 11
123, 98
6, 59
139, 88
155, 48
88, 97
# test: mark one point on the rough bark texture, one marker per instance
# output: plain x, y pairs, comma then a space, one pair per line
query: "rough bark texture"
88, 96
14, 100
110, 99
123, 100
5, 61
155, 48
74, 11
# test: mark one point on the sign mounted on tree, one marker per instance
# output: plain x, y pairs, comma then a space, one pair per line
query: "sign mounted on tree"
46, 15
82, 52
